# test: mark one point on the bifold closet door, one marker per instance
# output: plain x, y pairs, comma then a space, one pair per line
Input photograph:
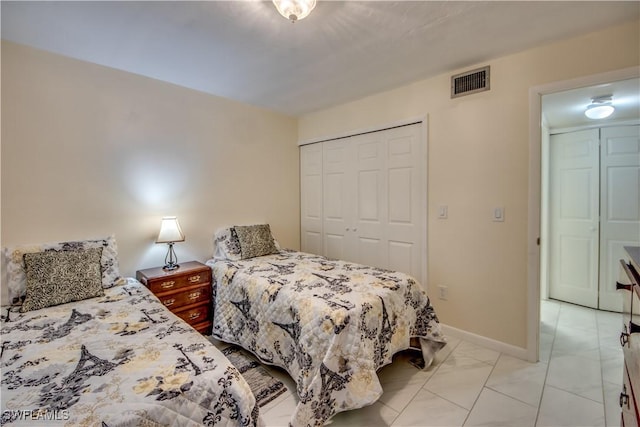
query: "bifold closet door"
594, 184
311, 236
619, 206
404, 198
337, 197
372, 197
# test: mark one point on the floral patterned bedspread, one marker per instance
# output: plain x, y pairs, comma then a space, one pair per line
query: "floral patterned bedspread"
121, 359
330, 324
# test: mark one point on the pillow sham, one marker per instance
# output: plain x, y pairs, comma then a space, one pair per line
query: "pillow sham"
59, 277
16, 278
255, 240
226, 245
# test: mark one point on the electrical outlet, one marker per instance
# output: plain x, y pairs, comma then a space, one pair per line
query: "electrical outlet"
443, 292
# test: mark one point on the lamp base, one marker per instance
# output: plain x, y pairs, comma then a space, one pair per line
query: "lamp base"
171, 260
171, 267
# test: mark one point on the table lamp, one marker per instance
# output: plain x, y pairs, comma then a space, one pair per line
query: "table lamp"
170, 232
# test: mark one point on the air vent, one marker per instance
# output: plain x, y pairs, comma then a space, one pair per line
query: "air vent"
470, 82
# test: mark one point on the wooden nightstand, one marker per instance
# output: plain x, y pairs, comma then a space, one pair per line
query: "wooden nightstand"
185, 291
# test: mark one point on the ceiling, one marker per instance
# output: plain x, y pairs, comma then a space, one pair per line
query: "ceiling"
345, 50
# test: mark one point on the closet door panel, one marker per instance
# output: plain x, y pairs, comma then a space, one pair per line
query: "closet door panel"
404, 199
368, 210
573, 217
337, 199
311, 198
619, 205
402, 257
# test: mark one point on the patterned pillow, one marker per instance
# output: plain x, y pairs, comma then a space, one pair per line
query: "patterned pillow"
255, 240
16, 278
227, 245
58, 277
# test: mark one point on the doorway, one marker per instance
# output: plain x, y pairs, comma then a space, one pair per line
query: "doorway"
537, 226
593, 212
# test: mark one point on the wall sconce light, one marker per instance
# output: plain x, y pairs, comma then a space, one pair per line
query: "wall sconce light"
294, 9
170, 232
600, 107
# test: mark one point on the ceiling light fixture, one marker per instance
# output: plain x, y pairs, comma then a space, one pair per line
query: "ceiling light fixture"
294, 9
600, 107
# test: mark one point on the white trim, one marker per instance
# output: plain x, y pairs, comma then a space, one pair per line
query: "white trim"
511, 350
555, 131
533, 226
424, 144
364, 130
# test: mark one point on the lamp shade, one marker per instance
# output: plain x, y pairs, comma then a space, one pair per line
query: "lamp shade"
170, 231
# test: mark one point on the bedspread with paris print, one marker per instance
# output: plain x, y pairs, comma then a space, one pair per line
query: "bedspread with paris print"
122, 359
331, 324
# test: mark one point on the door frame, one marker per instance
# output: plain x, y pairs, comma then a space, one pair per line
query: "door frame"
535, 202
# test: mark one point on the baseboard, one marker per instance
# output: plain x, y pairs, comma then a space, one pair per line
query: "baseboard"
511, 350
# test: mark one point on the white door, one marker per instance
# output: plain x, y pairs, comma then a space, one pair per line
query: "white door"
311, 199
387, 225
369, 198
619, 206
337, 198
406, 195
573, 220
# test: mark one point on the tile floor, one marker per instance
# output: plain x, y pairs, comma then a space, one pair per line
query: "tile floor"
576, 383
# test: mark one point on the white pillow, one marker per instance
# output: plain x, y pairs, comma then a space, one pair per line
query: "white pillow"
226, 244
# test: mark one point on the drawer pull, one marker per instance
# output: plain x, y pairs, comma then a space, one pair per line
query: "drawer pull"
624, 337
624, 397
623, 286
169, 302
167, 285
194, 295
194, 315
194, 279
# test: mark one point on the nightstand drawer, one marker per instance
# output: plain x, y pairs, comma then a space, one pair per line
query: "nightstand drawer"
186, 296
170, 283
194, 315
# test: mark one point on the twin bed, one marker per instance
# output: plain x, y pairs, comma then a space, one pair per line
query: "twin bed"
119, 358
124, 359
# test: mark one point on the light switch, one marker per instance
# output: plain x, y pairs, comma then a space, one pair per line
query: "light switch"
443, 211
498, 214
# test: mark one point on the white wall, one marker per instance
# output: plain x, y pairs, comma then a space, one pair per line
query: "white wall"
479, 159
89, 151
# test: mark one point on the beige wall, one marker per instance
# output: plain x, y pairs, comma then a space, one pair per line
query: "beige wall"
89, 151
477, 160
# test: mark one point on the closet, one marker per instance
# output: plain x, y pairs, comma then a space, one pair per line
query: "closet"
594, 199
363, 199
